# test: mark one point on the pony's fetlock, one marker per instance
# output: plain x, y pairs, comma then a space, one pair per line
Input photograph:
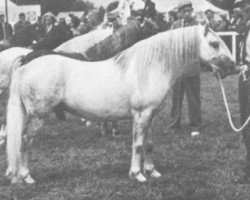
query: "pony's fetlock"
155, 174
138, 176
12, 176
150, 171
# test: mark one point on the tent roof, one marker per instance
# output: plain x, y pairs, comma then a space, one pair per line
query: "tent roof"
198, 5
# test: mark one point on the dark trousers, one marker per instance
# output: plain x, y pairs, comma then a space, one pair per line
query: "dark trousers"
190, 85
244, 101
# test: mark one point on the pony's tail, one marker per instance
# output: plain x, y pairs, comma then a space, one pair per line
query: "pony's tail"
16, 119
18, 62
15, 64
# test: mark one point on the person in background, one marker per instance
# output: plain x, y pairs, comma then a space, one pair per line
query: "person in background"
54, 34
74, 24
189, 83
210, 14
172, 17
65, 27
84, 26
6, 30
201, 18
162, 23
225, 21
124, 9
218, 23
40, 31
236, 20
149, 10
149, 13
244, 86
22, 23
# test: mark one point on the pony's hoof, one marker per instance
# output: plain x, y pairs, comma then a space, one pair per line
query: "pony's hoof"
153, 173
88, 123
138, 177
29, 180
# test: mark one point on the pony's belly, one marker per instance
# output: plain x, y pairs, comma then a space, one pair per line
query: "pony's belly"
99, 103
98, 93
99, 111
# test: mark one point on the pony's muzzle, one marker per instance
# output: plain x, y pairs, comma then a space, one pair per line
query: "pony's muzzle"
223, 65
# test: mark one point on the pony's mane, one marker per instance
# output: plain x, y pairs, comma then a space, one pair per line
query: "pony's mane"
177, 49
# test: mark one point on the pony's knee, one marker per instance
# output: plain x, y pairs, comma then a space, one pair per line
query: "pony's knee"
149, 148
138, 149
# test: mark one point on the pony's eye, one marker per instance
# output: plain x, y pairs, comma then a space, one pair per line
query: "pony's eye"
215, 44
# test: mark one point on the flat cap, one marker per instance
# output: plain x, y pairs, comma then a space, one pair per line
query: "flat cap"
184, 3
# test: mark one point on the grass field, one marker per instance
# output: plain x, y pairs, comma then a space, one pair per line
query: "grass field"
71, 161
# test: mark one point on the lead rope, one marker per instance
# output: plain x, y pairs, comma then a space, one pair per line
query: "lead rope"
227, 107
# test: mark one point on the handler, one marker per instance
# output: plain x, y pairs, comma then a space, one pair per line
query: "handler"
189, 83
244, 86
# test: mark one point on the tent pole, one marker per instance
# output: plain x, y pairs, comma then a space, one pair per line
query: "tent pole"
6, 11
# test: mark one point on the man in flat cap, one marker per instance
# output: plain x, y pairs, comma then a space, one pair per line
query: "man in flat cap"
5, 28
244, 85
188, 83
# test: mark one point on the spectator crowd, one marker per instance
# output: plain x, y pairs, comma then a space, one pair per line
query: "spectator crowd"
117, 15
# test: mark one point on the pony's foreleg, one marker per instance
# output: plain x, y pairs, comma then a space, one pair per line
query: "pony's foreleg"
140, 125
34, 125
148, 166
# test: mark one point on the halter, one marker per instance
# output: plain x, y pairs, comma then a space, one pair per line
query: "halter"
211, 61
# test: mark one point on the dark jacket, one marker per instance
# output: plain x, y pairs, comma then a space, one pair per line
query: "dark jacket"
149, 10
24, 37
56, 36
243, 40
8, 29
20, 26
180, 23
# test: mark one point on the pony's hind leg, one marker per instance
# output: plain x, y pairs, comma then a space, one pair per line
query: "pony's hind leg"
34, 124
148, 166
140, 125
22, 171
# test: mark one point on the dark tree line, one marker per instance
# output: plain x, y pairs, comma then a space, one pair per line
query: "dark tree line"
224, 4
59, 5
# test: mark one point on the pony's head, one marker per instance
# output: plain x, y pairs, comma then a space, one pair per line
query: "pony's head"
215, 54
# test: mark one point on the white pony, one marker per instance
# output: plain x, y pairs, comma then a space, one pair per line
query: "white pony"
132, 85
